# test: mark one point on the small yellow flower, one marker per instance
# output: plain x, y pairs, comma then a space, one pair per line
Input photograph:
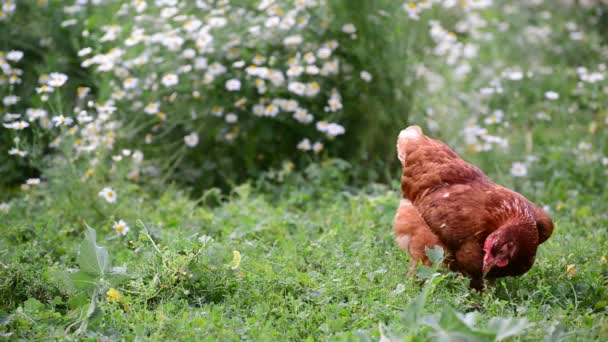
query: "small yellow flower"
113, 295
603, 260
236, 260
571, 270
89, 173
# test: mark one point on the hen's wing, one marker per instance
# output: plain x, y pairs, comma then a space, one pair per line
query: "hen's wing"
413, 234
543, 223
457, 213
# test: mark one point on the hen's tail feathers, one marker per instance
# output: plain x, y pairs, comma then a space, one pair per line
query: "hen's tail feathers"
543, 223
407, 137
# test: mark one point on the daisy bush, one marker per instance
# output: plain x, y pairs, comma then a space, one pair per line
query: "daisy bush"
556, 77
224, 87
211, 92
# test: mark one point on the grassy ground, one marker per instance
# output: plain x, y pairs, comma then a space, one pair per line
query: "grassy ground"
317, 261
303, 254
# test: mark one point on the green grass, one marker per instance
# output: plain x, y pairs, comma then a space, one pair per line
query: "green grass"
318, 259
317, 262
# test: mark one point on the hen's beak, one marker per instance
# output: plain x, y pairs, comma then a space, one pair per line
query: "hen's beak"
487, 266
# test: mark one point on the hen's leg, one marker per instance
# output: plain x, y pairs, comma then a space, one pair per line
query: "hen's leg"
413, 234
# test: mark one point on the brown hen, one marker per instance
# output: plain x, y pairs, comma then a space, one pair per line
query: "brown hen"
485, 229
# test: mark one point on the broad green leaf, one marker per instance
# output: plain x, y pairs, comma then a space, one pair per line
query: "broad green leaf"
424, 272
78, 301
385, 334
507, 327
451, 336
82, 281
62, 279
90, 311
5, 318
413, 312
450, 321
93, 259
469, 318
555, 333
435, 255
32, 306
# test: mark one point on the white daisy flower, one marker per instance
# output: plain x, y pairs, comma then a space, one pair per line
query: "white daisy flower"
130, 83
233, 85
551, 95
519, 169
297, 88
302, 116
271, 110
366, 76
15, 151
10, 100
152, 108
108, 194
57, 79
293, 40
17, 125
231, 118
317, 147
33, 181
304, 145
324, 53
170, 80
121, 227
412, 10
14, 55
191, 139
4, 207
349, 28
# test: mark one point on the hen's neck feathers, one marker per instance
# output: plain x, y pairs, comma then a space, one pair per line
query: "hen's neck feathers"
513, 210
517, 223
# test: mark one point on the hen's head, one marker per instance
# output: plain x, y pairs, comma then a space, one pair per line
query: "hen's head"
511, 247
